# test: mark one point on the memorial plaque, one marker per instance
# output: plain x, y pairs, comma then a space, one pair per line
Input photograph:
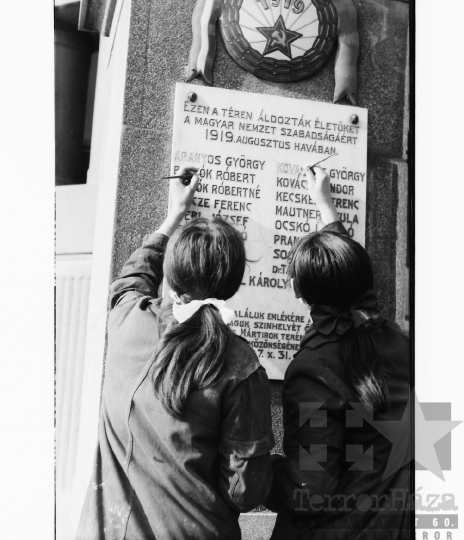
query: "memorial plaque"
251, 148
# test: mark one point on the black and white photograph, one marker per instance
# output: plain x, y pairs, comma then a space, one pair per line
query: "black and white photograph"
254, 314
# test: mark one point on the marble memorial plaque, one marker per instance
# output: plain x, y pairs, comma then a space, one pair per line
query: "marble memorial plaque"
251, 148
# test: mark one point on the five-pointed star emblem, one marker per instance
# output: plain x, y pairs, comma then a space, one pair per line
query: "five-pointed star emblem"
278, 38
398, 432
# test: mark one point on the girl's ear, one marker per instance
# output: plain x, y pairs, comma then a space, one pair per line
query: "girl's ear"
298, 296
295, 290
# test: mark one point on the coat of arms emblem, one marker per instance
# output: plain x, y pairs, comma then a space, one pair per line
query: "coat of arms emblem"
278, 40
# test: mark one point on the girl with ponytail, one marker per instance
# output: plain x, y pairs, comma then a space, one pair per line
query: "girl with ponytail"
345, 396
206, 262
185, 427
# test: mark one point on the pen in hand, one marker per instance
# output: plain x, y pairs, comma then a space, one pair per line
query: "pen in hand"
186, 178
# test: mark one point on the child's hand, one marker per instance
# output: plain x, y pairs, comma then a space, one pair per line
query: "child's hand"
319, 190
318, 185
181, 197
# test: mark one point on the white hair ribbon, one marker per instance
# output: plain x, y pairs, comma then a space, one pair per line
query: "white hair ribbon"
182, 312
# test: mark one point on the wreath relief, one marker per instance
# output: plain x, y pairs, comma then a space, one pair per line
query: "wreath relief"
278, 40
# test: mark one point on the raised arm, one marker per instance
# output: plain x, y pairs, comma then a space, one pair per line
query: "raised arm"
142, 274
319, 189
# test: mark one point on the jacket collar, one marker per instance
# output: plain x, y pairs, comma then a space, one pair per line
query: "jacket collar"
312, 339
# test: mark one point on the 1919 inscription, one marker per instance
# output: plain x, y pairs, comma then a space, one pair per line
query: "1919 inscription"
250, 161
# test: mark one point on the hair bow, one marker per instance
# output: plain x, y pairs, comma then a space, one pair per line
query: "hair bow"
182, 312
365, 312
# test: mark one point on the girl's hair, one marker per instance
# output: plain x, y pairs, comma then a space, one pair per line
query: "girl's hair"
334, 270
206, 261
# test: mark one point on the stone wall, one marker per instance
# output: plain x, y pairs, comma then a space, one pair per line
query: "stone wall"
160, 38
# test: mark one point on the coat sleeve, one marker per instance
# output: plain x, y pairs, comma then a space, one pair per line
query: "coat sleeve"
314, 428
142, 274
246, 441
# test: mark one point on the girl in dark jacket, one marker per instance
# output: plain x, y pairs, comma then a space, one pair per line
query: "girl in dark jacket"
347, 424
185, 426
